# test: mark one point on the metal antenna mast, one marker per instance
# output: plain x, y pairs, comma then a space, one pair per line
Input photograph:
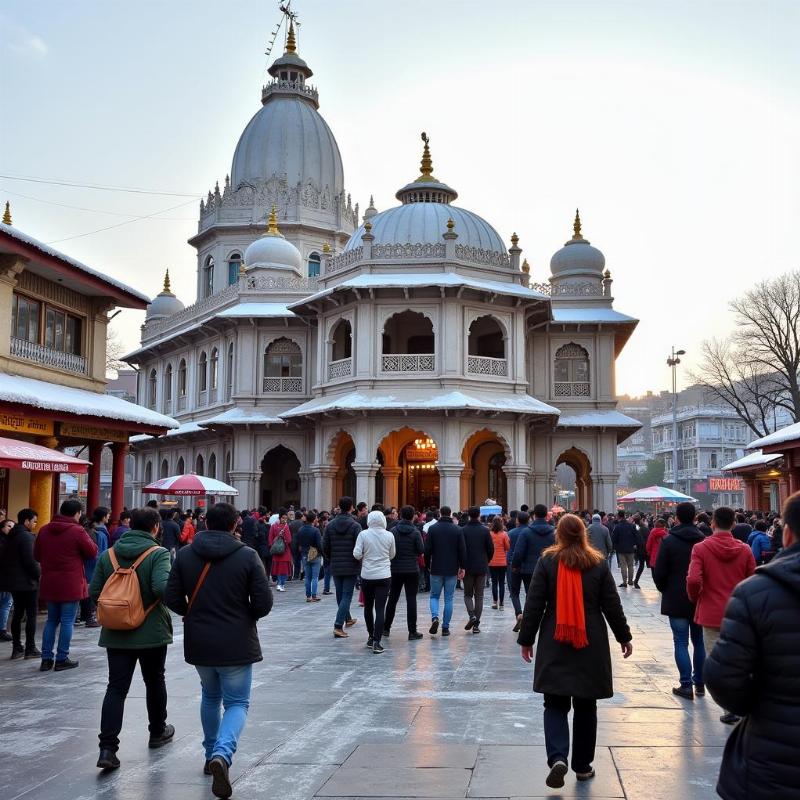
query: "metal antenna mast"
286, 14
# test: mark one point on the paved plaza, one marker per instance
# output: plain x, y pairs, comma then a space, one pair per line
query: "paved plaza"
439, 718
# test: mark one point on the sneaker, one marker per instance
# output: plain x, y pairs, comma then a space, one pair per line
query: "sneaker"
555, 780
47, 665
370, 642
476, 628
585, 776
221, 785
494, 606
326, 591
729, 719
351, 622
621, 586
700, 690
338, 633
164, 738
519, 624
108, 760
434, 626
377, 650
501, 606
386, 632
414, 636
5, 636
471, 624
92, 623
65, 664
18, 651
683, 691
445, 631
32, 652
309, 600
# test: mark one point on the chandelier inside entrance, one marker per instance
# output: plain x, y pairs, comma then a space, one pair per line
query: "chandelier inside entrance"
425, 444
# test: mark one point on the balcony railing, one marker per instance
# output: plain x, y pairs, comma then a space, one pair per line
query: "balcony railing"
571, 389
401, 362
484, 365
340, 368
47, 356
283, 384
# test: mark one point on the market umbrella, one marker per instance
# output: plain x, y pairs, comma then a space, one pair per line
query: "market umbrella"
190, 485
656, 494
15, 454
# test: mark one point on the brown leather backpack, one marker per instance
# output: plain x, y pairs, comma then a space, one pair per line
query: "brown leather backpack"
119, 607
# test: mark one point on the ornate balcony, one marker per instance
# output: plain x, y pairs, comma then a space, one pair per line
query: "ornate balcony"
47, 356
340, 369
570, 389
284, 385
402, 362
484, 365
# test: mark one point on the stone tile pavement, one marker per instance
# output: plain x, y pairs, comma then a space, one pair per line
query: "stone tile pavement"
439, 718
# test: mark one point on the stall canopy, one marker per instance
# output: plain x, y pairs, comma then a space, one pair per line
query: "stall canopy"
15, 454
656, 494
190, 486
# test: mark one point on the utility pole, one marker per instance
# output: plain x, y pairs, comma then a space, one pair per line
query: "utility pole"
673, 362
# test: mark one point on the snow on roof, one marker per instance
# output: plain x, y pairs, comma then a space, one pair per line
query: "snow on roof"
163, 340
786, 434
587, 315
242, 416
366, 400
257, 310
17, 234
757, 459
54, 397
404, 280
604, 418
180, 430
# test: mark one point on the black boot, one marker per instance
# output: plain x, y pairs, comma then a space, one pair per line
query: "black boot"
165, 737
108, 760
221, 786
17, 651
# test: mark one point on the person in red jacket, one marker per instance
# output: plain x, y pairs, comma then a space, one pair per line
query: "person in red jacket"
61, 548
719, 563
654, 541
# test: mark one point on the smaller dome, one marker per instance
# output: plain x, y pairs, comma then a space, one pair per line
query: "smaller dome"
272, 251
577, 256
165, 304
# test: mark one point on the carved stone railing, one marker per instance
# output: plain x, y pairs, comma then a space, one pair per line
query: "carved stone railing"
260, 283
47, 356
401, 362
279, 86
579, 289
158, 326
479, 256
418, 250
344, 260
484, 365
542, 288
571, 389
283, 384
340, 368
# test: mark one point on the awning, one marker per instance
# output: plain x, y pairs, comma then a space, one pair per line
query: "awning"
15, 454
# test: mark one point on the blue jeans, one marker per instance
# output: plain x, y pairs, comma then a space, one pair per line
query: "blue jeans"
5, 609
228, 687
345, 586
448, 583
281, 580
58, 614
311, 571
681, 630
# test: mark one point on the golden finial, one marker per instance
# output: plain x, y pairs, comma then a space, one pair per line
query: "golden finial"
514, 239
367, 226
7, 214
450, 225
326, 248
607, 274
242, 269
426, 165
526, 267
291, 43
167, 289
576, 226
272, 222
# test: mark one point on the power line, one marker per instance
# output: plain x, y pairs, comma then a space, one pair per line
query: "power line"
99, 187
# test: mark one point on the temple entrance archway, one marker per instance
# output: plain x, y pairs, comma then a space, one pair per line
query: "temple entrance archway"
410, 469
280, 479
579, 462
484, 457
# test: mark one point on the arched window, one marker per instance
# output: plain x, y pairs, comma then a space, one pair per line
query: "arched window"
168, 388
497, 478
181, 468
208, 277
152, 389
571, 372
228, 465
486, 348
229, 372
313, 265
182, 378
408, 343
234, 262
148, 473
164, 471
283, 366
213, 377
212, 465
199, 466
202, 372
341, 365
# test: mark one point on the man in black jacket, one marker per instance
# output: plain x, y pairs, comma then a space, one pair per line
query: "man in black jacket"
480, 549
405, 572
220, 588
753, 671
669, 575
170, 532
625, 539
528, 548
337, 547
445, 557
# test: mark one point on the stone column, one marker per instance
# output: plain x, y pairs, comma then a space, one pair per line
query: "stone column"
306, 487
120, 451
516, 481
242, 481
365, 481
542, 489
93, 483
450, 485
467, 474
391, 485
324, 476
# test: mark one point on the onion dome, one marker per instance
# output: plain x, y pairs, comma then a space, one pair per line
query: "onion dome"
577, 258
273, 251
165, 303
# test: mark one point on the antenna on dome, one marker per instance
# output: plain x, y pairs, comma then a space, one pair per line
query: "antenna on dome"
294, 22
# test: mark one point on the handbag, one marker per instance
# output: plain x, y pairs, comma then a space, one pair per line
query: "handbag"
313, 554
278, 546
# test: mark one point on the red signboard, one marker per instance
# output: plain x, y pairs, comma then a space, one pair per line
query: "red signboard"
726, 485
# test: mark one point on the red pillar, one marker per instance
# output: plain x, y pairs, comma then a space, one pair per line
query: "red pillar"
120, 451
93, 482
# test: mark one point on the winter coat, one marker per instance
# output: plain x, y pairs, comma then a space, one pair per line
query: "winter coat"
338, 543
409, 547
717, 565
654, 540
61, 547
560, 668
705, 529
220, 630
752, 671
375, 548
669, 570
480, 549
641, 548
117, 535
539, 536
502, 544
445, 549
600, 538
170, 534
156, 631
761, 544
188, 531
19, 570
308, 536
99, 535
281, 564
513, 538
625, 537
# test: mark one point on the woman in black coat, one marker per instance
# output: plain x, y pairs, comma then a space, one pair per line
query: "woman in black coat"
573, 660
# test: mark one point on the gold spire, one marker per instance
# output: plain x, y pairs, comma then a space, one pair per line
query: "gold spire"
326, 248
450, 225
272, 222
291, 43
167, 289
426, 165
576, 226
514, 239
526, 267
7, 214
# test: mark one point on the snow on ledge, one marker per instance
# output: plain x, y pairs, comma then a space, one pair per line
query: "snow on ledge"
789, 433
604, 418
757, 459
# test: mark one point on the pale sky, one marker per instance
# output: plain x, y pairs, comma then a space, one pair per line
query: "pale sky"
674, 126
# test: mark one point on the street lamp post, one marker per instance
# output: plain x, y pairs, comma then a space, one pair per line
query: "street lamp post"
673, 362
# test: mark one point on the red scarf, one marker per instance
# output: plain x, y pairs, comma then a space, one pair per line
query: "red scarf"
570, 616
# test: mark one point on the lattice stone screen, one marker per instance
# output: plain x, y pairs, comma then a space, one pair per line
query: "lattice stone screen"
400, 362
484, 365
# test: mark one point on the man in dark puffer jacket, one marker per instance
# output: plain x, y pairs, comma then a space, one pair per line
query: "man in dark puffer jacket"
753, 671
337, 547
405, 572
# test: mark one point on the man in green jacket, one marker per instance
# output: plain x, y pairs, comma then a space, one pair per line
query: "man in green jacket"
146, 644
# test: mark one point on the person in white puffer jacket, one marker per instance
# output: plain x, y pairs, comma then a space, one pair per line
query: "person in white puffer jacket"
375, 548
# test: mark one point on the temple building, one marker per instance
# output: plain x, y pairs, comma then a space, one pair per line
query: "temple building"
402, 356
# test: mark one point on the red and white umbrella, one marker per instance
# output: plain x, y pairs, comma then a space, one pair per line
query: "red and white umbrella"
15, 454
190, 485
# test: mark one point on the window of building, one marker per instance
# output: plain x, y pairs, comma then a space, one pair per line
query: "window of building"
182, 378
283, 359
152, 389
208, 277
212, 465
164, 471
229, 371
214, 369
199, 466
168, 386
313, 265
61, 331
25, 314
234, 262
342, 340
181, 469
571, 371
712, 461
202, 372
148, 473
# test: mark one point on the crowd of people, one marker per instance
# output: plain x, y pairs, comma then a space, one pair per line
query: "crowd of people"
216, 568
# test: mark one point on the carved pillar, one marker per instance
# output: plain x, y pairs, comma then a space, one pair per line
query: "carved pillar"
467, 474
516, 481
450, 485
365, 481
324, 477
391, 485
306, 488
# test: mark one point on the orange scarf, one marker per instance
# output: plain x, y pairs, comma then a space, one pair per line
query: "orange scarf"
570, 616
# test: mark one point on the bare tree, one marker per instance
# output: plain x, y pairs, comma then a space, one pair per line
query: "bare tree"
756, 370
114, 352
